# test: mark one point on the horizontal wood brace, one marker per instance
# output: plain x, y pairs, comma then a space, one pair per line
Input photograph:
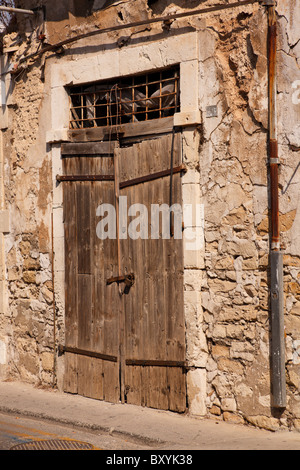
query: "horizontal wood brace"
60, 178
155, 363
83, 352
152, 127
88, 148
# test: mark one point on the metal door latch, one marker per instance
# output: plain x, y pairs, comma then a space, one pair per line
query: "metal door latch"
128, 279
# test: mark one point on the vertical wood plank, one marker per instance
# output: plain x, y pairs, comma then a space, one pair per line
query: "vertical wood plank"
71, 373
107, 301
97, 387
71, 312
83, 191
111, 381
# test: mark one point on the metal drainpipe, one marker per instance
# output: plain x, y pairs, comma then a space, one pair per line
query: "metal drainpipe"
278, 383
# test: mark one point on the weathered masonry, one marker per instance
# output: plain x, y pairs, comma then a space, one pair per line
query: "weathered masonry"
149, 218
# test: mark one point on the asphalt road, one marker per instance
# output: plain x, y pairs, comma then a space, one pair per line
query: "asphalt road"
30, 434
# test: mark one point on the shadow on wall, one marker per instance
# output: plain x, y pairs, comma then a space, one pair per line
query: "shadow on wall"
85, 8
159, 6
80, 8
59, 11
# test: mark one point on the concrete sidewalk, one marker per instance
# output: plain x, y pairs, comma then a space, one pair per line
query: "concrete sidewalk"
164, 430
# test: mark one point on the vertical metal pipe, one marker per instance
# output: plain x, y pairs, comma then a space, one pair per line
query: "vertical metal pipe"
278, 384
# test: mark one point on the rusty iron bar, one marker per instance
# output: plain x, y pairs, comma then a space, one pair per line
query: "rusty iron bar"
122, 184
60, 178
152, 176
273, 145
83, 352
275, 235
160, 19
98, 120
155, 363
17, 10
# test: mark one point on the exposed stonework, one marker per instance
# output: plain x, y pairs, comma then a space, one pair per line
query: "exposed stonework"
227, 279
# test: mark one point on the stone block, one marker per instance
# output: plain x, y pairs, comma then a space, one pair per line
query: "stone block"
193, 210
230, 365
187, 118
228, 404
232, 418
193, 259
264, 422
47, 361
192, 280
242, 350
4, 221
189, 99
196, 386
3, 353
60, 109
58, 135
29, 277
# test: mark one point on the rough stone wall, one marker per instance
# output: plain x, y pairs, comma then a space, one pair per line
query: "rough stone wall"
27, 192
234, 184
234, 187
228, 332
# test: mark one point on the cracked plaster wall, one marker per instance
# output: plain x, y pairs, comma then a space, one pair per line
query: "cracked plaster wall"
226, 290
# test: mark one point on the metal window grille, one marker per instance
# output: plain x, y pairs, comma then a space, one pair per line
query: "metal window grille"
130, 99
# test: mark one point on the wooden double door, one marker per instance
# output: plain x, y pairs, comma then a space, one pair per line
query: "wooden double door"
124, 314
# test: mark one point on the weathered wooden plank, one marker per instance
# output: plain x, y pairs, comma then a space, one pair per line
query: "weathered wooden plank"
153, 127
83, 165
70, 376
106, 297
111, 382
89, 148
70, 265
97, 383
158, 393
176, 389
71, 316
84, 376
83, 227
133, 385
132, 164
90, 380
84, 286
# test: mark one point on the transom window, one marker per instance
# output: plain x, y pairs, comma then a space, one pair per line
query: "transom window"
136, 98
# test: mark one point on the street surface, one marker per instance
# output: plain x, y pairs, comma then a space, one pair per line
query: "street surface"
32, 414
16, 430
